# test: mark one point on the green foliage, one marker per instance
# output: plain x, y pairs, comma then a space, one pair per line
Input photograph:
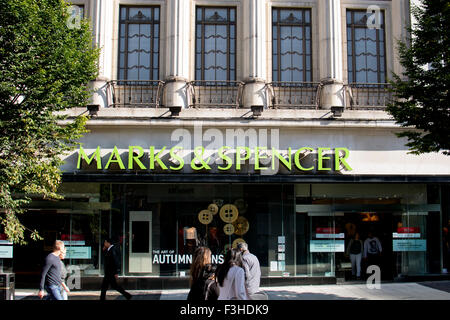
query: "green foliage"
45, 67
423, 94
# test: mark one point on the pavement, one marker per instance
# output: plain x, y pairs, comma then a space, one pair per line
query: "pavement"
435, 290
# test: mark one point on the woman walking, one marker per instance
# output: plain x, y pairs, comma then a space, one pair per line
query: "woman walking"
355, 249
231, 277
203, 284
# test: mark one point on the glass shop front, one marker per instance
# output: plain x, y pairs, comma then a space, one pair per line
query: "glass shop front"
295, 230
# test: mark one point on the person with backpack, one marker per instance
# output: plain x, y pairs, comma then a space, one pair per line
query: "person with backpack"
355, 251
372, 250
202, 276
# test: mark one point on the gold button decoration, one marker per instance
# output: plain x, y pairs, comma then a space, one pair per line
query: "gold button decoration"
213, 208
241, 226
235, 242
205, 217
229, 213
228, 229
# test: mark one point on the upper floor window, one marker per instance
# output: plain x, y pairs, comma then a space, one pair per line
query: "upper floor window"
366, 58
215, 49
291, 45
139, 43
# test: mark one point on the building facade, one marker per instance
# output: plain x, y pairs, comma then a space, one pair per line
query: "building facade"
216, 122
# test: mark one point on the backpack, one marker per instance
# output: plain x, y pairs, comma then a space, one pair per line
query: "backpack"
210, 289
355, 248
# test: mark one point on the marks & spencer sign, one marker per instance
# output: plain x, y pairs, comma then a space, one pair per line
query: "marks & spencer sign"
222, 159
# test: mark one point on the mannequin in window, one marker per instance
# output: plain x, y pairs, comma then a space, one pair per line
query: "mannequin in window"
190, 239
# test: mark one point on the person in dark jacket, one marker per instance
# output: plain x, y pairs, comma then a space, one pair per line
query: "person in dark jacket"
112, 270
202, 273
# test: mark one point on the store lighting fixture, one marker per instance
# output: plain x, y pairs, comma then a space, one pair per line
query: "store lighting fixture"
337, 111
257, 110
175, 111
93, 109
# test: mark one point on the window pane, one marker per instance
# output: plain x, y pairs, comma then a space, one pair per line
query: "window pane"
290, 39
144, 74
232, 15
368, 50
139, 40
218, 42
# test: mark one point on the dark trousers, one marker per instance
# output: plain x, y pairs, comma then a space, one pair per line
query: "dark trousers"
111, 281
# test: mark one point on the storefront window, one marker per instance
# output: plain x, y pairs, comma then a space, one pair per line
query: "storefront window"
401, 217
295, 230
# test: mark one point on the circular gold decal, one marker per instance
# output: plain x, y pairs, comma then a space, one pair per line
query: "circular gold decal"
229, 213
235, 242
241, 226
228, 229
213, 208
205, 217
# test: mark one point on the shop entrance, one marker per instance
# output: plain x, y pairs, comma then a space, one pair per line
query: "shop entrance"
140, 242
379, 224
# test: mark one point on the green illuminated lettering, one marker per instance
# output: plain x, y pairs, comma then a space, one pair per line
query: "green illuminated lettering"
338, 159
155, 157
321, 158
238, 156
177, 157
132, 157
297, 159
258, 156
227, 159
118, 160
286, 163
96, 155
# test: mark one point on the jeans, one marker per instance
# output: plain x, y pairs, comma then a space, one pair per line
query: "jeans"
356, 264
64, 294
54, 292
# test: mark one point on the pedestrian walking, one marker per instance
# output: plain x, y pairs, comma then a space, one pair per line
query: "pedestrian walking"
202, 277
372, 250
355, 250
112, 270
252, 273
51, 274
231, 277
64, 289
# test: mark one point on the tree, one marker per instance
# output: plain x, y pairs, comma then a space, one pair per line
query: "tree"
422, 96
45, 66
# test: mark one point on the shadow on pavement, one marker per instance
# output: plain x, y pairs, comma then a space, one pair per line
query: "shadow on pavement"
441, 285
289, 295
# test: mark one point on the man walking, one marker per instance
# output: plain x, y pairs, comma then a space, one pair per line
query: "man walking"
112, 269
51, 274
372, 250
252, 273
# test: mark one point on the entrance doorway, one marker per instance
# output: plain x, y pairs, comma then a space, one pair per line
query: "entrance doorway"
363, 223
140, 242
